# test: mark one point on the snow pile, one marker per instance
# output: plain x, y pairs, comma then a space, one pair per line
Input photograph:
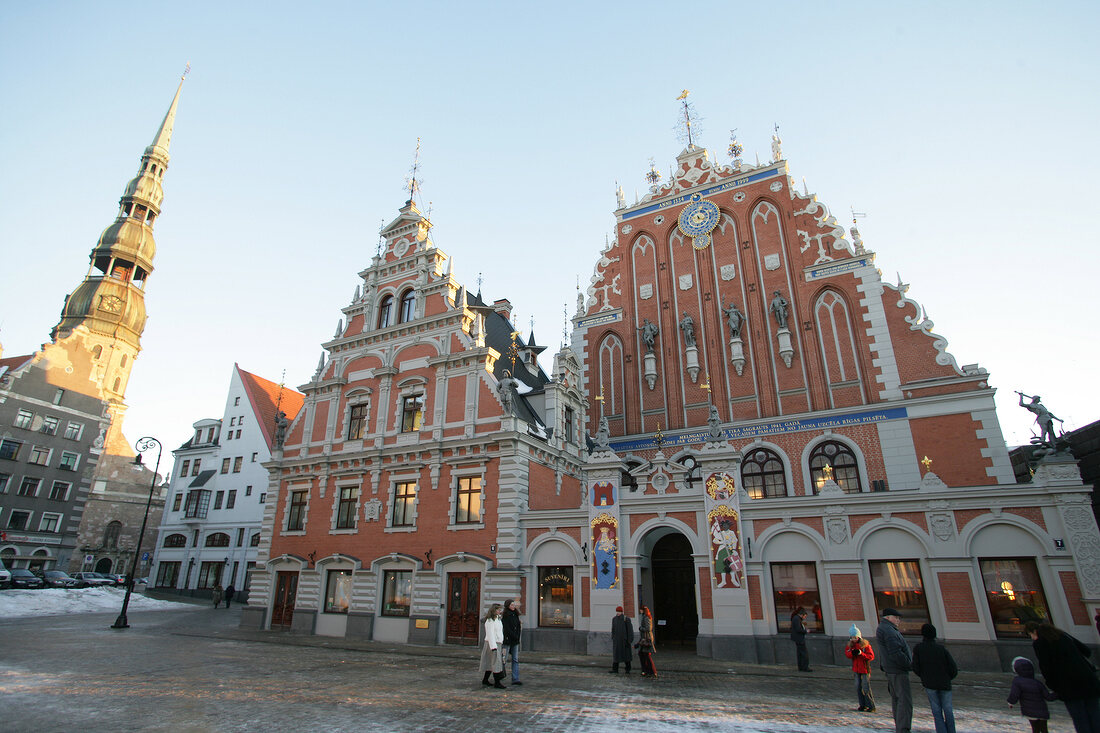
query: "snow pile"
57, 601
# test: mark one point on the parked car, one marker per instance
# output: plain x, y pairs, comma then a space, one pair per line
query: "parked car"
23, 578
5, 576
61, 579
116, 578
92, 579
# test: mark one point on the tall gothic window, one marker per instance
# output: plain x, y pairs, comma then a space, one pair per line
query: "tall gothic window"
408, 305
110, 535
762, 474
845, 469
385, 311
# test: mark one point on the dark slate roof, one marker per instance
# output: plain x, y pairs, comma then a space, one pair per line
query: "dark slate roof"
202, 478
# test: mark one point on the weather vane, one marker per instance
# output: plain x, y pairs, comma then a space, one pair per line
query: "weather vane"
412, 182
735, 147
186, 71
654, 175
690, 119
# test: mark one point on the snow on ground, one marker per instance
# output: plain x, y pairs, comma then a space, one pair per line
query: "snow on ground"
57, 601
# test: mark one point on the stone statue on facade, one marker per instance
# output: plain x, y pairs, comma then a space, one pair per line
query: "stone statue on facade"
603, 435
687, 325
714, 427
1044, 418
280, 429
734, 319
778, 307
649, 334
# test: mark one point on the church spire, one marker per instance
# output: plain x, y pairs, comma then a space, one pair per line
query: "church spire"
109, 304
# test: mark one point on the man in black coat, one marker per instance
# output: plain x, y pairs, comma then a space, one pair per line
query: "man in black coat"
622, 637
896, 660
798, 636
936, 668
512, 626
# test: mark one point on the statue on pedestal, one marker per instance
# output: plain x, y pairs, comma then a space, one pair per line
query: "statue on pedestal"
779, 308
734, 320
649, 334
1044, 418
687, 325
280, 429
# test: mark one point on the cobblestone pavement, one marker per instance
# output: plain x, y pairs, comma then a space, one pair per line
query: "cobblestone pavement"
194, 670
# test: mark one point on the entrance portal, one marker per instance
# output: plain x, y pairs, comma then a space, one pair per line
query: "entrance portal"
463, 605
675, 616
286, 591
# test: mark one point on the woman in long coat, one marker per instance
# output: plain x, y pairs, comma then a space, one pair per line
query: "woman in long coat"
645, 644
492, 651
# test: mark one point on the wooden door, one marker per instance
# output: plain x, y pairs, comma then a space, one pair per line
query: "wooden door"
286, 591
463, 607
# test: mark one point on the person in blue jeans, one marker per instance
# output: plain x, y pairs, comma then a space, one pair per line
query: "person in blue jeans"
512, 627
936, 668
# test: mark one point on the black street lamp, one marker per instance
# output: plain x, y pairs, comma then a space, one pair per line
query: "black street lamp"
144, 445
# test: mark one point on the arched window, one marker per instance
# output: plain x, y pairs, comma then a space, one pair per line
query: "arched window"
175, 540
845, 469
110, 535
693, 474
218, 539
626, 481
408, 305
97, 352
385, 311
762, 474
254, 541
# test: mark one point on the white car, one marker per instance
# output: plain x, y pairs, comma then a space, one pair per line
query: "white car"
5, 577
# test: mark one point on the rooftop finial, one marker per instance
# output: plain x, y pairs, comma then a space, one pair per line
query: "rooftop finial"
412, 182
653, 177
777, 149
735, 148
479, 286
689, 118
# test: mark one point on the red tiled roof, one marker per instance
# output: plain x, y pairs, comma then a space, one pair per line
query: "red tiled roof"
267, 399
14, 362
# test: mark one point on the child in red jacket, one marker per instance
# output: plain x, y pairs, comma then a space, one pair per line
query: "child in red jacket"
860, 652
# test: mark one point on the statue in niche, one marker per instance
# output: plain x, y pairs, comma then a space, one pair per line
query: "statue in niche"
779, 309
649, 334
734, 319
280, 429
507, 391
1044, 418
687, 325
603, 435
714, 429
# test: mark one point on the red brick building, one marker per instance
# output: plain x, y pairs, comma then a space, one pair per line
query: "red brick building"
775, 427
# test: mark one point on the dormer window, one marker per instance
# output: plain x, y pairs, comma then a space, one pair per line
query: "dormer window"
408, 305
385, 311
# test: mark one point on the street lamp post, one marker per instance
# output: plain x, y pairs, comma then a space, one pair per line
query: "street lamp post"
144, 445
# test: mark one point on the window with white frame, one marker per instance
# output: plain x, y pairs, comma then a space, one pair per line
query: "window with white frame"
184, 467
9, 449
69, 461
24, 419
338, 591
60, 490
74, 430
237, 463
231, 499
412, 413
357, 422
833, 459
346, 507
29, 486
396, 592
50, 522
40, 455
296, 510
5, 481
468, 500
18, 519
404, 504
50, 424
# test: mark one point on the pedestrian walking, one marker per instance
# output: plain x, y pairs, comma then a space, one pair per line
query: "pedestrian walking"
512, 628
860, 651
895, 660
492, 650
229, 591
216, 594
936, 668
1031, 694
645, 644
1065, 666
622, 636
798, 636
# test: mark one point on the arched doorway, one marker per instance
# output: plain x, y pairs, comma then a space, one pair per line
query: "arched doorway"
675, 615
104, 565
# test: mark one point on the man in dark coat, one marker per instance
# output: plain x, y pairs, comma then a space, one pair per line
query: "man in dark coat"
936, 668
512, 625
1065, 666
896, 661
798, 636
622, 637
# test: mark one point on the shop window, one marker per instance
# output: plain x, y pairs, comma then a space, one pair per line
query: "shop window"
468, 501
898, 584
794, 584
357, 422
412, 413
408, 305
763, 475
845, 469
404, 502
338, 591
345, 510
556, 597
396, 592
1015, 595
167, 574
296, 516
210, 574
385, 311
175, 540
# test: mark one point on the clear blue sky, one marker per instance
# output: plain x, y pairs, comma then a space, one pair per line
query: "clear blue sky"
966, 131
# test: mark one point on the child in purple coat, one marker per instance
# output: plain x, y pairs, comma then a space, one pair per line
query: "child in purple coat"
1031, 694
